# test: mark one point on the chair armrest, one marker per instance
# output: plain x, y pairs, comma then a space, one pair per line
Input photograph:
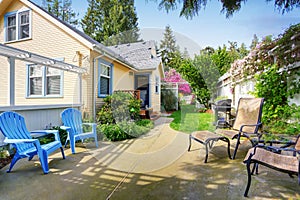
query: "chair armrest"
89, 124
245, 125
280, 149
65, 128
15, 141
39, 133
93, 125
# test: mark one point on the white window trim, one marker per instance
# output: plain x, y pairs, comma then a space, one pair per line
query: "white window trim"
18, 23
44, 85
110, 67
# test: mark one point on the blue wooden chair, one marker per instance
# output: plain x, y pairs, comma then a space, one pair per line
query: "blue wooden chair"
72, 123
13, 127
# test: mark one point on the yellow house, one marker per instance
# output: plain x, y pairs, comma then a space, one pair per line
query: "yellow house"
40, 90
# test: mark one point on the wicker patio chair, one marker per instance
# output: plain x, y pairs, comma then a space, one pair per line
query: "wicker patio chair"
284, 159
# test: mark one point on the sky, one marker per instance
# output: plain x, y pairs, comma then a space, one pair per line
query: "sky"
210, 27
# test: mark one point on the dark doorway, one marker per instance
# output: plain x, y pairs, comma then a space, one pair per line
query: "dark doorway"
142, 84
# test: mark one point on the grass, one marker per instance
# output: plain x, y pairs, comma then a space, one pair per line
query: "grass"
188, 119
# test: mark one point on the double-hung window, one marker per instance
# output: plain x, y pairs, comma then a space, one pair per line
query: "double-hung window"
44, 81
105, 79
17, 26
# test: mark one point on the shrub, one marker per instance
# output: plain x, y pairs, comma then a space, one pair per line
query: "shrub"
118, 107
126, 130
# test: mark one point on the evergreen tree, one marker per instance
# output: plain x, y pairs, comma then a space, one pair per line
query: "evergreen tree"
254, 42
243, 51
90, 22
62, 9
168, 46
114, 21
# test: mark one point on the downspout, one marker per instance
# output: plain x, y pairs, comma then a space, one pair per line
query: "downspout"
11, 86
80, 89
94, 86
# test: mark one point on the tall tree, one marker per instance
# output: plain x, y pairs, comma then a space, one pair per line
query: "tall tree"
114, 21
191, 8
168, 47
62, 9
254, 42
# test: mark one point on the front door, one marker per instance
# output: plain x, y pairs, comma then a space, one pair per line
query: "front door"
142, 84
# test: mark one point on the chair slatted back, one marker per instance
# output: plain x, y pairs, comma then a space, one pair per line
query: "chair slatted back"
248, 112
72, 118
13, 126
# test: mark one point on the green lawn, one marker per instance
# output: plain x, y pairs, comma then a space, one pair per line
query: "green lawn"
188, 119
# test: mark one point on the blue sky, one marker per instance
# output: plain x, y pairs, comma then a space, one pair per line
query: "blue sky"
210, 27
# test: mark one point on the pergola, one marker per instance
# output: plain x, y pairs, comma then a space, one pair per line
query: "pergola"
17, 54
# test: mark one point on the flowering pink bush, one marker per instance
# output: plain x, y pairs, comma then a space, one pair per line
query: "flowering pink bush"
172, 76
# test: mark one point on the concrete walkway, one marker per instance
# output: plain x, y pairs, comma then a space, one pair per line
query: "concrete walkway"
156, 166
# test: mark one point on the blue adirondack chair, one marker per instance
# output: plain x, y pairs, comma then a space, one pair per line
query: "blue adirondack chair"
72, 123
13, 127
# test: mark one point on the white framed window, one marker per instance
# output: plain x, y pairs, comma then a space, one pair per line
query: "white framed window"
105, 80
17, 25
44, 81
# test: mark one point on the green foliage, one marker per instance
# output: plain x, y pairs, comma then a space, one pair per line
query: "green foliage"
276, 86
119, 107
111, 22
168, 99
190, 9
125, 130
145, 122
223, 57
119, 117
50, 138
61, 9
168, 47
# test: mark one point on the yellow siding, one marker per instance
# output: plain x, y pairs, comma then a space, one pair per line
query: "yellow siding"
122, 79
50, 41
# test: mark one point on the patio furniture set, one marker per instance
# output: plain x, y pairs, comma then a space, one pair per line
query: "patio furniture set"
246, 125
13, 127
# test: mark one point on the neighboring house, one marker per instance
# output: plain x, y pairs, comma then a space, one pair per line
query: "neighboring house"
143, 56
41, 92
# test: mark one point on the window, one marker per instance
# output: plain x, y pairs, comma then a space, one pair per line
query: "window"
44, 81
17, 26
105, 79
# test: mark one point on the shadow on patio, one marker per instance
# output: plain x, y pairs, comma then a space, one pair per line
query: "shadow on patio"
95, 174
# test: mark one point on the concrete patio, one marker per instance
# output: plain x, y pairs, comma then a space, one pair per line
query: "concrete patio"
156, 166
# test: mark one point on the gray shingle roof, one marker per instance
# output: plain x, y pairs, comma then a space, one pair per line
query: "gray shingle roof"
142, 55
